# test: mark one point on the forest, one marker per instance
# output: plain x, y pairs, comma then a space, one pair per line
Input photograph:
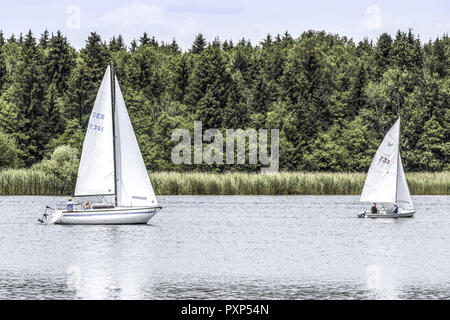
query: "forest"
331, 98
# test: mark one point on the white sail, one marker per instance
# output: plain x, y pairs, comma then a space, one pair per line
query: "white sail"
381, 181
403, 196
96, 169
133, 184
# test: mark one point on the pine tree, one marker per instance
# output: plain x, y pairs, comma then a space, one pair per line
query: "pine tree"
174, 47
43, 42
383, 53
60, 62
440, 56
153, 42
209, 85
199, 44
182, 71
12, 39
144, 40
30, 92
2, 39
227, 45
267, 41
116, 44
2, 68
133, 46
359, 83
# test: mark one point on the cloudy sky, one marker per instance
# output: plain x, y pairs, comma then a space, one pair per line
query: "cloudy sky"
227, 19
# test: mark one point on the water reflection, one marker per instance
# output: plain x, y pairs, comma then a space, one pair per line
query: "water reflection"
102, 286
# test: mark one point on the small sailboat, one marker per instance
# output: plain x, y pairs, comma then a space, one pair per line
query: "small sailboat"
386, 183
111, 165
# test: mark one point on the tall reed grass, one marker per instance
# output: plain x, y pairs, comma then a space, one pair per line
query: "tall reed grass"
31, 182
36, 182
286, 183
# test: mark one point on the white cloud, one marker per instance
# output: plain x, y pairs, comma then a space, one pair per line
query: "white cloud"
137, 14
374, 20
130, 21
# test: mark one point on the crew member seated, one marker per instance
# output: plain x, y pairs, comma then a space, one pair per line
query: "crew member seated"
69, 204
395, 210
374, 208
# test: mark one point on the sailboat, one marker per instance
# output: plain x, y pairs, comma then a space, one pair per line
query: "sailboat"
111, 165
386, 183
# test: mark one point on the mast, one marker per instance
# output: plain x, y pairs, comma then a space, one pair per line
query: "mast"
113, 104
398, 144
398, 159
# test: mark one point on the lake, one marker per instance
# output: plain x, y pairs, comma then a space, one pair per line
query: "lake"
229, 247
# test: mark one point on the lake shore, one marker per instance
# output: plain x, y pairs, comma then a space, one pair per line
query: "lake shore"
34, 182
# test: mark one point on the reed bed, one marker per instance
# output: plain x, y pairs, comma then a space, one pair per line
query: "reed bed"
31, 182
286, 183
36, 182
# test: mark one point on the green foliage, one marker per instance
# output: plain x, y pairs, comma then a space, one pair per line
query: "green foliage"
331, 99
10, 153
72, 136
63, 165
53, 176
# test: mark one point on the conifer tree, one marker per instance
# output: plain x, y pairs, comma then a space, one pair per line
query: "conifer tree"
2, 39
199, 44
43, 42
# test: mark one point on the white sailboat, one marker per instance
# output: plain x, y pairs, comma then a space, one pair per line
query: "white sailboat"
111, 164
386, 183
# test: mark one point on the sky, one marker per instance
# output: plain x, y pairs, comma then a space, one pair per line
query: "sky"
227, 19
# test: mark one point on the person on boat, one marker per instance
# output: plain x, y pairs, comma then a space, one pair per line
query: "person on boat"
70, 204
87, 205
374, 208
395, 210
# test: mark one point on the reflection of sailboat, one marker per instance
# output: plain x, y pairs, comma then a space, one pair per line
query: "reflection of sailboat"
386, 182
111, 165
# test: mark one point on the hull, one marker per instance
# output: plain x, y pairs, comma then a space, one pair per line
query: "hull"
405, 213
105, 216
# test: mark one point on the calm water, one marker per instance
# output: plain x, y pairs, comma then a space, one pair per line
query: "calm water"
229, 247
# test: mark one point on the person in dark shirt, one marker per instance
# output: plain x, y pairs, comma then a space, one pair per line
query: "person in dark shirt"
395, 210
374, 208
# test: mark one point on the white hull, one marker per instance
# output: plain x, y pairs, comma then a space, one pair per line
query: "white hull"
404, 213
105, 216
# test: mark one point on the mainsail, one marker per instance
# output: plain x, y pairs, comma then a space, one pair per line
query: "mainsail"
102, 162
96, 169
386, 181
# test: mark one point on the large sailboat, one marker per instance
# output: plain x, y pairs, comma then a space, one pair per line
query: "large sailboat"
385, 183
111, 166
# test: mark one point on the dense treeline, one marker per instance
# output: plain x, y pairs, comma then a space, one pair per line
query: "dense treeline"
332, 99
